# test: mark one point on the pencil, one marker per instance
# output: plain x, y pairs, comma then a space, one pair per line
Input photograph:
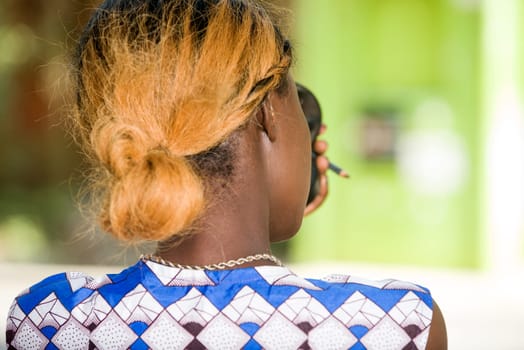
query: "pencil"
338, 170
335, 168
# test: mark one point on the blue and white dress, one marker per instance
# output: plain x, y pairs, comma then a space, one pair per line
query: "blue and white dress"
153, 306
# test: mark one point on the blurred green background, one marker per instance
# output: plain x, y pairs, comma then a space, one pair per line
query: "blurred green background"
415, 65
404, 86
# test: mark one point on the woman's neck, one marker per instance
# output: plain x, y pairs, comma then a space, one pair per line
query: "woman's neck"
223, 235
237, 223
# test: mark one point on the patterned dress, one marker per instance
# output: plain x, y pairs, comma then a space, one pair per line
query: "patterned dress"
153, 306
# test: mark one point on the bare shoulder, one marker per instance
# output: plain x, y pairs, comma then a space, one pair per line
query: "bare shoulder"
438, 338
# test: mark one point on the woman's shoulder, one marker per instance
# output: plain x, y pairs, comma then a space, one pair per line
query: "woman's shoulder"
373, 288
398, 299
47, 305
57, 286
359, 310
66, 285
374, 310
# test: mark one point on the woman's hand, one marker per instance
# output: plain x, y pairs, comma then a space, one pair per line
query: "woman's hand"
322, 163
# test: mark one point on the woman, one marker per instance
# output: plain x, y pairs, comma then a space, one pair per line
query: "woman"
198, 140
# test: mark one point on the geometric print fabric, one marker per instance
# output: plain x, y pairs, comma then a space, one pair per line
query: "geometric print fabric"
152, 306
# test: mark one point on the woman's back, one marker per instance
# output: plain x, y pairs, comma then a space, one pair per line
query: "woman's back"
154, 306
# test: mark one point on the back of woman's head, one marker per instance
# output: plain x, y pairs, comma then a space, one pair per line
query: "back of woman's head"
161, 85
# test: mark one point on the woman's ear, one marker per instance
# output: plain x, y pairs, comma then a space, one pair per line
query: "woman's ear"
266, 119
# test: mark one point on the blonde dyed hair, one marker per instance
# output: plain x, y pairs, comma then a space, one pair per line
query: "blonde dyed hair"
161, 84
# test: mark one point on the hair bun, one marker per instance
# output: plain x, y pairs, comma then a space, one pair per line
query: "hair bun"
157, 198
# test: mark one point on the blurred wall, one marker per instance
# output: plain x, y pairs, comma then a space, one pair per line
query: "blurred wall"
41, 168
399, 83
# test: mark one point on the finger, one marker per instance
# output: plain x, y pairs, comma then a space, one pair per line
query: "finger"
321, 196
320, 146
322, 164
323, 129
